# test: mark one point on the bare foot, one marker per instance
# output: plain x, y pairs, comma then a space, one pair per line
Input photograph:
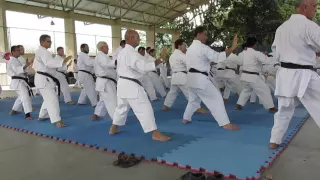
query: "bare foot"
273, 145
231, 127
43, 119
158, 136
12, 112
28, 118
114, 129
70, 102
60, 124
273, 110
186, 121
165, 108
202, 111
238, 107
95, 117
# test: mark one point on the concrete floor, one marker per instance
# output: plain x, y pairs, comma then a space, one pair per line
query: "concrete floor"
28, 157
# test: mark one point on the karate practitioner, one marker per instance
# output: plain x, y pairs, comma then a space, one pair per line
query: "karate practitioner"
118, 50
153, 75
200, 87
177, 61
45, 66
251, 77
17, 69
75, 74
130, 92
86, 77
146, 81
295, 43
62, 77
106, 84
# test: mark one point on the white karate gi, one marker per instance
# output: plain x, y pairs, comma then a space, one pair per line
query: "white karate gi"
270, 71
296, 41
131, 94
44, 62
252, 62
149, 87
75, 74
177, 61
213, 75
156, 80
84, 62
164, 74
104, 67
60, 75
200, 87
15, 68
115, 55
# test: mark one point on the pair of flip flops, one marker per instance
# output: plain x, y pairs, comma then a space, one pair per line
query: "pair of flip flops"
201, 176
126, 161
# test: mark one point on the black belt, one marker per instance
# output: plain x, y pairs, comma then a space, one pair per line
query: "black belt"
93, 76
295, 66
231, 69
65, 75
131, 79
220, 69
53, 78
106, 77
181, 71
26, 80
192, 70
248, 72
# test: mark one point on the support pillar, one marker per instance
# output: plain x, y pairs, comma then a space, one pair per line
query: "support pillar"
151, 37
175, 36
116, 36
70, 35
4, 45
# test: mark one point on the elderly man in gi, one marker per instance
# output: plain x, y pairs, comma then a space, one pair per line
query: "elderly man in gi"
200, 87
45, 66
130, 92
295, 45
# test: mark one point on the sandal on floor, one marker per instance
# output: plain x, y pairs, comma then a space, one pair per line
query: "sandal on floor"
126, 161
216, 177
193, 176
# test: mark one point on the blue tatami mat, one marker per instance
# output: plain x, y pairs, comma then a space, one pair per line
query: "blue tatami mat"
200, 144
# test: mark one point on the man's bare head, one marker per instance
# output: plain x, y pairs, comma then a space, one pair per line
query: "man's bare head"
132, 38
307, 8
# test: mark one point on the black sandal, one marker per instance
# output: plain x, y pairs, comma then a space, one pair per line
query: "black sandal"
126, 161
216, 177
193, 176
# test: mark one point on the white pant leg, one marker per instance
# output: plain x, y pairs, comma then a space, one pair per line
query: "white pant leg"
253, 97
157, 83
110, 98
142, 109
263, 92
194, 102
227, 90
65, 89
236, 84
50, 105
282, 118
185, 91
89, 87
100, 110
171, 96
17, 106
24, 98
245, 94
271, 82
212, 98
83, 97
149, 87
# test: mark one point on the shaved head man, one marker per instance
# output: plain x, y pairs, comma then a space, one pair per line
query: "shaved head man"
307, 8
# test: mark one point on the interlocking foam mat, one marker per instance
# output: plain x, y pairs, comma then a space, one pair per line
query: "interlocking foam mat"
201, 145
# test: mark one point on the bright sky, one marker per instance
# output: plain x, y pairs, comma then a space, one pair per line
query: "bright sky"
25, 29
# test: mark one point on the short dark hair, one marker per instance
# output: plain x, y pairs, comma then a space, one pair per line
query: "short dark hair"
123, 42
178, 43
141, 48
14, 48
43, 37
251, 41
152, 50
199, 29
83, 45
59, 48
148, 48
19, 46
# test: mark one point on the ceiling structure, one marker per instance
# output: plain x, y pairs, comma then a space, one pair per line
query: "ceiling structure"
143, 12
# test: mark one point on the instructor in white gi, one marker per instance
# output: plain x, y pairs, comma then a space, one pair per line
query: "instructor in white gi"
295, 45
200, 87
130, 68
